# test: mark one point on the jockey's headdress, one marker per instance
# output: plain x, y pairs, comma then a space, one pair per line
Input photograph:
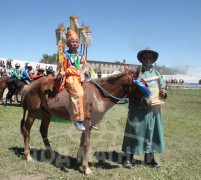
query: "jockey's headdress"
72, 35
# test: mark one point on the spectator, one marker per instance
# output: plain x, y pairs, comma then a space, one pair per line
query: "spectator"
144, 127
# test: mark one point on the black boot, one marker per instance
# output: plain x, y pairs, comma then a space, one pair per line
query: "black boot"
150, 161
128, 158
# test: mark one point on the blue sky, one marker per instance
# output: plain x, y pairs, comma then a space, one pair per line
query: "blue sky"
119, 29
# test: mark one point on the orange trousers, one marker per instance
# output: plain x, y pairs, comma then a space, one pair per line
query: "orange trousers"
77, 93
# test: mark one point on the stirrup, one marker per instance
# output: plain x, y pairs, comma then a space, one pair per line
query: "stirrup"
94, 127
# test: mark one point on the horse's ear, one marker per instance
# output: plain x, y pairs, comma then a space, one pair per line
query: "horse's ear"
48, 84
138, 71
126, 68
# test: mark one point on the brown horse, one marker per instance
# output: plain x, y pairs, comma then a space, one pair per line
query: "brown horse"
98, 99
3, 85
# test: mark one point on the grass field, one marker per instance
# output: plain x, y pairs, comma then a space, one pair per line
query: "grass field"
181, 160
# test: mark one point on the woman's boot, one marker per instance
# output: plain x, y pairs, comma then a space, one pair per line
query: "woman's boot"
128, 158
150, 161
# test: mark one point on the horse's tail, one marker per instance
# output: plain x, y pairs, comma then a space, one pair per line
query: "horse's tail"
23, 128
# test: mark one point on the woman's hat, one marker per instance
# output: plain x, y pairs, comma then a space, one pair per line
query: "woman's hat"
147, 50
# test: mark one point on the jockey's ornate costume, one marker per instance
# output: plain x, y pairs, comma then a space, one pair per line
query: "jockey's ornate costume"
74, 66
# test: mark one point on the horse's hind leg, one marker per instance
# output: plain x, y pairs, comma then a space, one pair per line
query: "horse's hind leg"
44, 128
11, 96
25, 129
16, 96
7, 97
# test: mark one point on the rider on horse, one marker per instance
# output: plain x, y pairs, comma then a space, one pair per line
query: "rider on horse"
26, 75
74, 65
50, 72
16, 72
40, 73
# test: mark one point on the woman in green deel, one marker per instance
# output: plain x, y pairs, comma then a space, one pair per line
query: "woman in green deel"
144, 126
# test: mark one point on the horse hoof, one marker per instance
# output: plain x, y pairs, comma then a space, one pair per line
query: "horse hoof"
88, 171
29, 158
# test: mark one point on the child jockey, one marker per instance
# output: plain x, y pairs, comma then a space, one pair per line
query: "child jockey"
74, 64
39, 74
50, 72
16, 72
26, 75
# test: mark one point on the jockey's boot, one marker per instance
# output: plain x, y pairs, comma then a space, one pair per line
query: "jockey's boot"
79, 125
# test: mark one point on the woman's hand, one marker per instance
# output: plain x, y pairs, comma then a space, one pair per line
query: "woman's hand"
162, 93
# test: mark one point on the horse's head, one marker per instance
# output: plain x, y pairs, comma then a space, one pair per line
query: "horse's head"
48, 84
139, 90
51, 86
3, 81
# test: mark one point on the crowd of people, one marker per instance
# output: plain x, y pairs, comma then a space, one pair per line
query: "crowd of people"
7, 64
174, 81
4, 65
26, 74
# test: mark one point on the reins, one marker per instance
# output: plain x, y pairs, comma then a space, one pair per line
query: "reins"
126, 100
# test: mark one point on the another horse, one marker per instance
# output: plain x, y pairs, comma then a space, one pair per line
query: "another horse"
14, 87
98, 99
3, 85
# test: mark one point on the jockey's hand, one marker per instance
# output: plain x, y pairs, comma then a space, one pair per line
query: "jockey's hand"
78, 71
62, 73
59, 65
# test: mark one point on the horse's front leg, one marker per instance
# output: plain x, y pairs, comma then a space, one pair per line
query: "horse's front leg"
25, 129
44, 128
85, 143
16, 96
11, 96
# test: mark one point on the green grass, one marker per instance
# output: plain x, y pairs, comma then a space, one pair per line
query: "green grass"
181, 160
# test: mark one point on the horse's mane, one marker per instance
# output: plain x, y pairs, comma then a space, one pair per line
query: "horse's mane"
41, 79
3, 78
35, 85
111, 78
